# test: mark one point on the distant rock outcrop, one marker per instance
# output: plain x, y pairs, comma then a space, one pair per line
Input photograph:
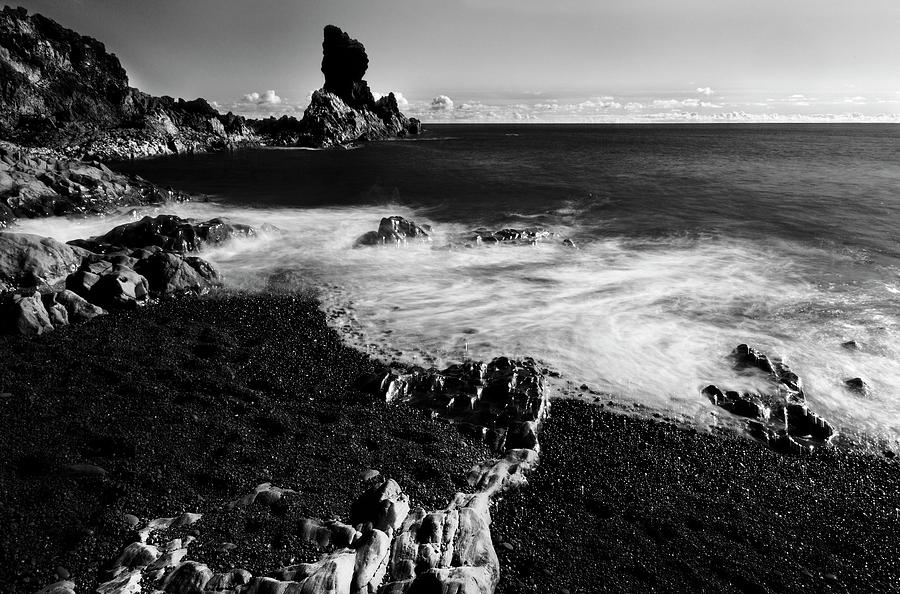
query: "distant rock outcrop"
344, 110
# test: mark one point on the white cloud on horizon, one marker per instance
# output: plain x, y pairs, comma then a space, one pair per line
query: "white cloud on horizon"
642, 108
442, 103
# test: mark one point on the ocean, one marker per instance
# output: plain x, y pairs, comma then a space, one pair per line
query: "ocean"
691, 239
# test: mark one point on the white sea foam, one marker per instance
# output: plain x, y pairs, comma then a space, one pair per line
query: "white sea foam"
646, 321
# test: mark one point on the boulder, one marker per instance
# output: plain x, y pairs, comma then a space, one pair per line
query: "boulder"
395, 230
171, 233
188, 578
28, 260
120, 287
24, 314
168, 274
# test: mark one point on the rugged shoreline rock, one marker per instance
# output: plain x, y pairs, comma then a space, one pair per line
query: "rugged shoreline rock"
45, 284
780, 418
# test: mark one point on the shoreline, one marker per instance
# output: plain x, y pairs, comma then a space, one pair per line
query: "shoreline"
211, 353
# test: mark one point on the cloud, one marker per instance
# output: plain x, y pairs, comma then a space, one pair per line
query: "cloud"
442, 103
705, 90
270, 98
267, 98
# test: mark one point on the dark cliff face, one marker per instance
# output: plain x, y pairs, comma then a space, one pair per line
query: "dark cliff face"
64, 89
51, 74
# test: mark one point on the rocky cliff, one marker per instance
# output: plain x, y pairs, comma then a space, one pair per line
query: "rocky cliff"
62, 89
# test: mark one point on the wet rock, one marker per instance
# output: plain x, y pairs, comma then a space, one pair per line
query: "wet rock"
81, 282
120, 287
858, 385
851, 345
138, 554
171, 233
28, 260
395, 230
741, 404
371, 562
778, 416
168, 274
227, 581
24, 314
188, 578
383, 506
79, 309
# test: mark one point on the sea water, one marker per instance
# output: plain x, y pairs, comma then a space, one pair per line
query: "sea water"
690, 240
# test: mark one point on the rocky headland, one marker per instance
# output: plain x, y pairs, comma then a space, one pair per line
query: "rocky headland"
63, 90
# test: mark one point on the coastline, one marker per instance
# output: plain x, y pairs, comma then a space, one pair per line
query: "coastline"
202, 398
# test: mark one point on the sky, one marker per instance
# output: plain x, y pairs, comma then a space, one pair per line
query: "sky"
519, 60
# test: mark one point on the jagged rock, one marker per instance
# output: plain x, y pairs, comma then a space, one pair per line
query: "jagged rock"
344, 110
138, 554
28, 260
188, 578
527, 235
168, 232
333, 533
851, 345
230, 580
383, 506
57, 86
395, 230
120, 287
81, 282
737, 403
344, 63
24, 314
784, 407
168, 273
371, 562
859, 386
79, 309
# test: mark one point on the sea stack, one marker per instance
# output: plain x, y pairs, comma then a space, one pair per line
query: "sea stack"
344, 110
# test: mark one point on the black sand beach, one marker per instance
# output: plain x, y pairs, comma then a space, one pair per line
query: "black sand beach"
185, 406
